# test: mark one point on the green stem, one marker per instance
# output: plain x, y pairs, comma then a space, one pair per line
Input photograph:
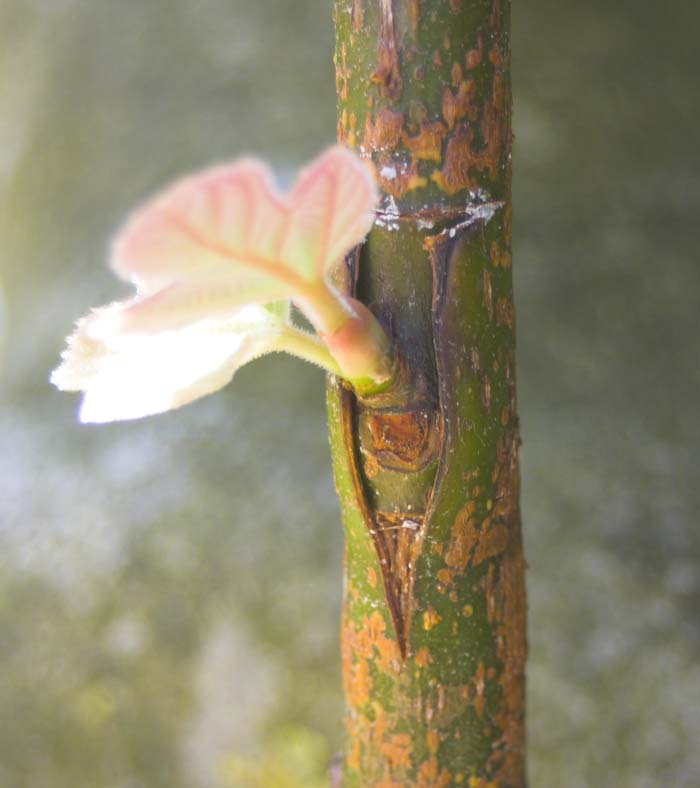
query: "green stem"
427, 474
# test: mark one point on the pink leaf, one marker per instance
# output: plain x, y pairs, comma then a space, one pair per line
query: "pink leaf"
205, 256
230, 227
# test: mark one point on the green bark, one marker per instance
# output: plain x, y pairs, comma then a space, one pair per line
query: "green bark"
434, 606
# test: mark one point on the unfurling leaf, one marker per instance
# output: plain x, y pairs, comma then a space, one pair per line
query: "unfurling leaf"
215, 260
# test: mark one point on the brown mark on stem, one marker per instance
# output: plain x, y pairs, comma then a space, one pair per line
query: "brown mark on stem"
455, 174
457, 105
397, 176
415, 15
387, 75
383, 134
427, 144
358, 15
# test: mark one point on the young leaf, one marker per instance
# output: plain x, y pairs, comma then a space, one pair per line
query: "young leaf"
215, 260
127, 376
216, 241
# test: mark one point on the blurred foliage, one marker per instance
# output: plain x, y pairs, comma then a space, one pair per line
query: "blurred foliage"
169, 590
293, 757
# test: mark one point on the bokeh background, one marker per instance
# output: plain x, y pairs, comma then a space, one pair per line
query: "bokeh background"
170, 589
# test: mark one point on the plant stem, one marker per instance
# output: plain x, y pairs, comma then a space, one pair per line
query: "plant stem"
427, 472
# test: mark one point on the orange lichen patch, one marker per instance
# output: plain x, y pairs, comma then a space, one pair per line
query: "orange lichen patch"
474, 56
354, 754
471, 545
415, 15
360, 647
505, 314
496, 56
459, 104
446, 43
468, 611
383, 723
500, 257
397, 178
359, 684
437, 59
387, 75
431, 618
398, 750
427, 144
352, 135
384, 133
456, 74
423, 657
456, 6
358, 15
372, 576
463, 537
475, 358
342, 74
480, 782
373, 642
389, 783
459, 159
431, 776
433, 741
446, 576
494, 540
486, 393
505, 415
508, 225
495, 126
488, 293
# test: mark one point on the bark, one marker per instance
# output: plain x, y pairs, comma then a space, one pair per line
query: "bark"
433, 631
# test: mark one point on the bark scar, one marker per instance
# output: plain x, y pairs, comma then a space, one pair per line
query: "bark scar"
387, 75
406, 440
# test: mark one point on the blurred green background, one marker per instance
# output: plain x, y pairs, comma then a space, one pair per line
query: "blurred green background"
170, 589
